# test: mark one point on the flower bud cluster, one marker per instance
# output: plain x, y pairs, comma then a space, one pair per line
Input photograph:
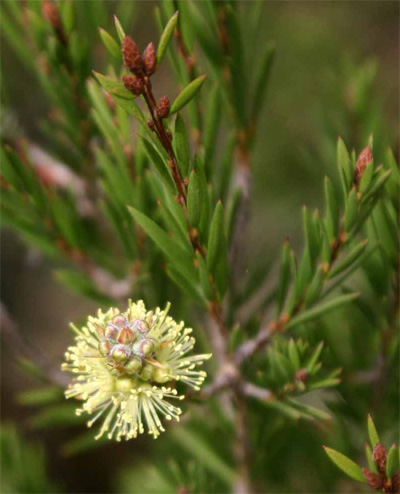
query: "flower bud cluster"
121, 362
140, 65
127, 347
364, 159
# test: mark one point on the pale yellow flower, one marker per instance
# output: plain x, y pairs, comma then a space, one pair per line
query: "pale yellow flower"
126, 366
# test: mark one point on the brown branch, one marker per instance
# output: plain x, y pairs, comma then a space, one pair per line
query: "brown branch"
165, 140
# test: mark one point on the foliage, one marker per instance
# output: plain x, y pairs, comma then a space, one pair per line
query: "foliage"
23, 465
149, 198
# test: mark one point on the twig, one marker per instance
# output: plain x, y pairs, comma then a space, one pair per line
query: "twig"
242, 447
253, 391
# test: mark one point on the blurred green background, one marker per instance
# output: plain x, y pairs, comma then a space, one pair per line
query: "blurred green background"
323, 49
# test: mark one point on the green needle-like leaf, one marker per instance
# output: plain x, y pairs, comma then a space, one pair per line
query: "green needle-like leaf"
166, 37
392, 461
321, 310
332, 209
194, 444
345, 164
372, 432
345, 464
351, 213
176, 254
284, 277
194, 199
187, 94
110, 43
181, 145
348, 260
119, 29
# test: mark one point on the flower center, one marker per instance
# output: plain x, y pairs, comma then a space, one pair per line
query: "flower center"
130, 352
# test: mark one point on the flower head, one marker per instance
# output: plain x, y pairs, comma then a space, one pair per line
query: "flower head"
126, 366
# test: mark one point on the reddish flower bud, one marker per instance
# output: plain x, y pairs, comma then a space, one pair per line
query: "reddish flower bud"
373, 479
134, 84
396, 483
52, 16
163, 107
364, 158
302, 375
50, 13
139, 325
132, 56
126, 335
150, 124
120, 353
149, 59
380, 454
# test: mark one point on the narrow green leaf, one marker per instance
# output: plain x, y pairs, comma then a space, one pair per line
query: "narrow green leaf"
176, 210
283, 408
372, 432
309, 411
377, 185
56, 416
347, 261
351, 212
233, 210
305, 272
284, 277
371, 463
332, 209
345, 163
194, 200
110, 43
356, 264
366, 178
211, 124
315, 357
321, 309
114, 87
345, 464
177, 255
324, 383
68, 15
159, 164
311, 234
42, 396
119, 28
217, 249
198, 448
81, 284
166, 37
172, 224
261, 79
181, 145
216, 241
189, 287
82, 443
203, 275
187, 94
294, 354
315, 287
205, 203
392, 461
